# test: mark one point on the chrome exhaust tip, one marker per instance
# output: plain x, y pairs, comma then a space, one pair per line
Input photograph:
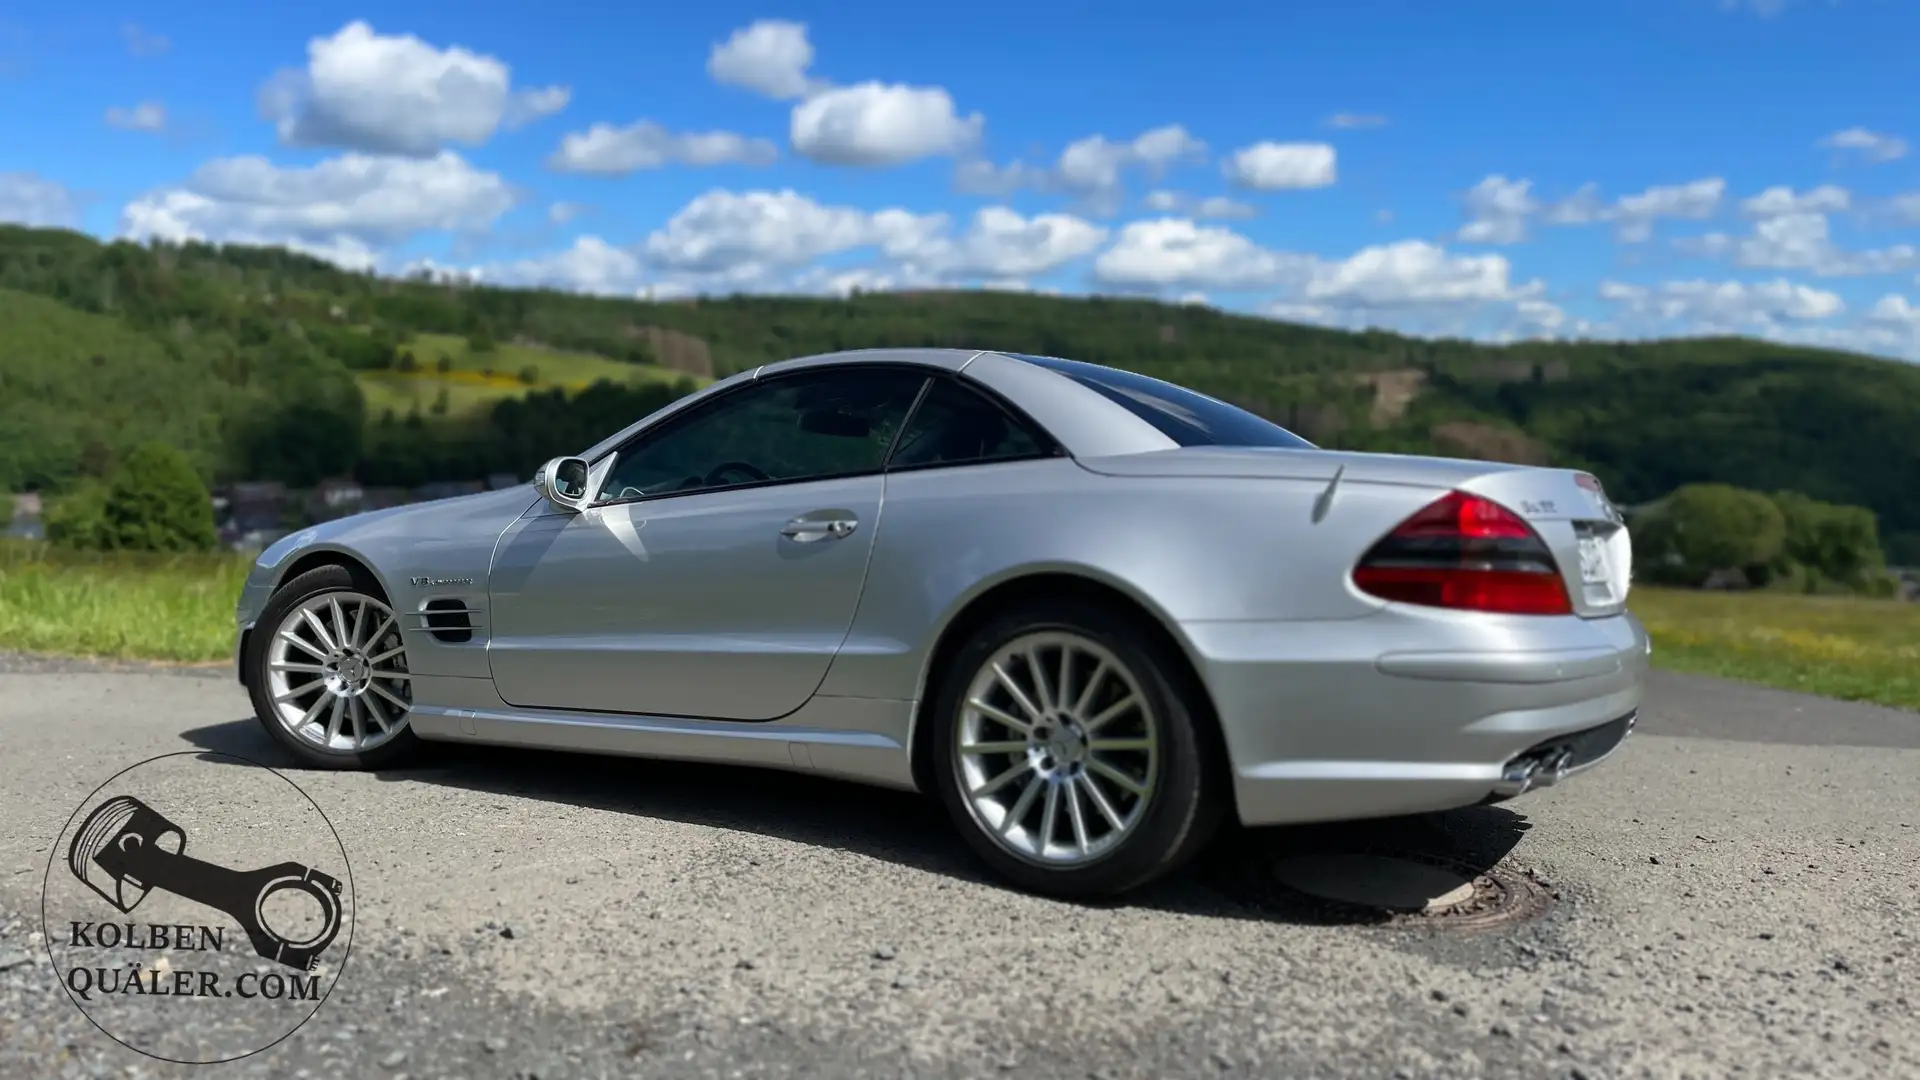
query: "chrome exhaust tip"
1517, 778
1555, 769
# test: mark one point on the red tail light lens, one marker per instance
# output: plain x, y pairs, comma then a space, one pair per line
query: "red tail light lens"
1467, 553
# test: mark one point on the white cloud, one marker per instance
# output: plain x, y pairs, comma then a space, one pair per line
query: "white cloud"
754, 238
30, 199
986, 178
1413, 272
1583, 207
1903, 209
1779, 201
591, 265
341, 208
770, 57
535, 103
1275, 166
1798, 240
1634, 215
877, 124
1895, 310
1870, 146
1497, 211
1092, 166
141, 43
1091, 169
146, 116
393, 94
1168, 253
1216, 206
562, 212
1721, 307
1356, 120
607, 150
1001, 244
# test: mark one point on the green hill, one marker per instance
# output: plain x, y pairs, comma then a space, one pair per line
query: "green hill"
288, 367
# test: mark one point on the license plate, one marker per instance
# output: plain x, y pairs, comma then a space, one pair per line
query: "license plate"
1593, 562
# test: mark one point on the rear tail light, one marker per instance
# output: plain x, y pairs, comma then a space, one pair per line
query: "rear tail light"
1467, 553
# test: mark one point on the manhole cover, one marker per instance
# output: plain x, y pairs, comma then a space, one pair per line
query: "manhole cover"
1388, 889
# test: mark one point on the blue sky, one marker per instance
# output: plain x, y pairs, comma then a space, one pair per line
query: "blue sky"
1499, 170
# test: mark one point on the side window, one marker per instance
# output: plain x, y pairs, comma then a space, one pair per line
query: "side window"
809, 426
956, 424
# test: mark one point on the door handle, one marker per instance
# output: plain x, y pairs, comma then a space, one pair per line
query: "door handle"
804, 530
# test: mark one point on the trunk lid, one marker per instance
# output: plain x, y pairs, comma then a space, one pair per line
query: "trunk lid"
1568, 508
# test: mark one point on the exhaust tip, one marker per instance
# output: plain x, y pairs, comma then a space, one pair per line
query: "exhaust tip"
1518, 778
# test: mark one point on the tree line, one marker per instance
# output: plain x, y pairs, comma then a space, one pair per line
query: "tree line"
245, 359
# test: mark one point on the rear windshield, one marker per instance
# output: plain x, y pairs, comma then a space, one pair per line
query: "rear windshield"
1187, 418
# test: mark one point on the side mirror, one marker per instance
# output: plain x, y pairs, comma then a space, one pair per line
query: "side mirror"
564, 482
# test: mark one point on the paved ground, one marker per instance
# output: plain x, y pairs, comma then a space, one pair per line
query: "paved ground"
1739, 895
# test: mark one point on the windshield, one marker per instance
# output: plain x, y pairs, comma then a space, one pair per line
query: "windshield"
1188, 418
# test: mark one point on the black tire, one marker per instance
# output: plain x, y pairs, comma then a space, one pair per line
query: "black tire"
403, 747
1188, 799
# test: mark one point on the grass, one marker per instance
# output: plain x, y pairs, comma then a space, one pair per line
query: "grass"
180, 608
1835, 646
475, 381
176, 608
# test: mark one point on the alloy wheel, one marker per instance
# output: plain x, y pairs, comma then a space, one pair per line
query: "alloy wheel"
337, 673
1057, 749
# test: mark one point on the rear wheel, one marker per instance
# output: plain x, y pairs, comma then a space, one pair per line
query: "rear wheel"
1067, 755
327, 672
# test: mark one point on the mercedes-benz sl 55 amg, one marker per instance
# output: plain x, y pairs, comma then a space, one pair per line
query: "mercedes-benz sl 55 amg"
1093, 612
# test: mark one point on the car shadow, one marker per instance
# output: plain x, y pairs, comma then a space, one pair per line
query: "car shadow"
1234, 878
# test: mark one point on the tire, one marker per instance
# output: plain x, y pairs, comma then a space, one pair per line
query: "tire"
317, 592
1174, 753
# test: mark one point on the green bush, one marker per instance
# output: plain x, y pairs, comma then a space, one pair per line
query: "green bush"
1704, 528
530, 375
77, 519
154, 501
1840, 544
444, 364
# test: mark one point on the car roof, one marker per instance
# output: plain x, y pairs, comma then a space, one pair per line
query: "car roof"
1084, 422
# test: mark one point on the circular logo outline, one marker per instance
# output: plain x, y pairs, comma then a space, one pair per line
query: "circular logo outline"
53, 856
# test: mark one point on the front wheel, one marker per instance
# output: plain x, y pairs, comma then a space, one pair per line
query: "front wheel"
1067, 755
327, 672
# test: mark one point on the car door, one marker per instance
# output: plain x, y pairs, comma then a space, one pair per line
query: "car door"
719, 568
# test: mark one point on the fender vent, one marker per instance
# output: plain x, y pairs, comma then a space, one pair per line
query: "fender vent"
449, 620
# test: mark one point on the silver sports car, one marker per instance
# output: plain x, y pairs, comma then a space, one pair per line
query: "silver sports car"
1095, 612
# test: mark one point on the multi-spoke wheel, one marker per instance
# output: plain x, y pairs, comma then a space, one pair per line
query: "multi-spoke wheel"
1067, 754
329, 675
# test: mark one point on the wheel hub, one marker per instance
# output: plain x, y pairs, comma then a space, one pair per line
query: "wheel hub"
348, 674
1060, 745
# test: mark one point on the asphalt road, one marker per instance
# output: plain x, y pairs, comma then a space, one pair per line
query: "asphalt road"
1738, 895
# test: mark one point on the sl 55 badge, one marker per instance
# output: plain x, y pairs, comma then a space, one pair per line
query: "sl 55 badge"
1544, 506
437, 582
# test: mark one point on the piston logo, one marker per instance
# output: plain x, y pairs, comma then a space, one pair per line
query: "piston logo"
135, 925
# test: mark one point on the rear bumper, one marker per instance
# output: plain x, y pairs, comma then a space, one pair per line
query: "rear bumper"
1410, 710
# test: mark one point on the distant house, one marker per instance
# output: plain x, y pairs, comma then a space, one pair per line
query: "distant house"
447, 489
24, 524
252, 506
339, 494
335, 498
379, 498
